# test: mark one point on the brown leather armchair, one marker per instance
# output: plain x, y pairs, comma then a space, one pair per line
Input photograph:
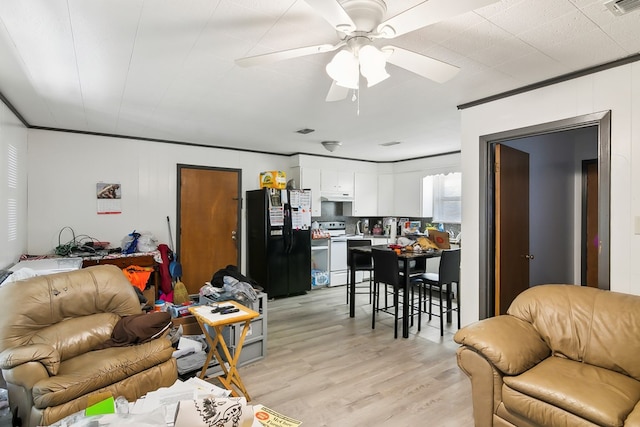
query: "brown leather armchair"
563, 355
50, 329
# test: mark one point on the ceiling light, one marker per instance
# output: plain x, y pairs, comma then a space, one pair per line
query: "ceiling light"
343, 68
331, 145
346, 66
373, 65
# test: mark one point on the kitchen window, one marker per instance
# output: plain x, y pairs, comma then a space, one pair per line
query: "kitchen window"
446, 197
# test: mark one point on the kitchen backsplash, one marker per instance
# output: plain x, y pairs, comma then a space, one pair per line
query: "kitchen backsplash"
334, 212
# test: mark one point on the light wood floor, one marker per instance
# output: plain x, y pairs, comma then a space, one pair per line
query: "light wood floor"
327, 369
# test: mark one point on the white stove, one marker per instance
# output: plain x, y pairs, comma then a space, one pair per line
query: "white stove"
337, 251
334, 228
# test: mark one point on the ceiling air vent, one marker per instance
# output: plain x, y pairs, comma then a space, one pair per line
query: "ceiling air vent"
622, 7
305, 131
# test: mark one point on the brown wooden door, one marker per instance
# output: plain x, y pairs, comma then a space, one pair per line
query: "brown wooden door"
209, 222
590, 238
512, 225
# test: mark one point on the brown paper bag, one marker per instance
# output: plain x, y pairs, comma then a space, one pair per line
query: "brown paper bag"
440, 238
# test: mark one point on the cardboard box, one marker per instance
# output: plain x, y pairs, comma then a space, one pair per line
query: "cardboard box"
190, 325
440, 238
273, 179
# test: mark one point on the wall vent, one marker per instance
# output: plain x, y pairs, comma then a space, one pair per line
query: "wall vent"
622, 7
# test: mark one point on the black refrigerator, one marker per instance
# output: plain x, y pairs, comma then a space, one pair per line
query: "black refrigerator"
279, 240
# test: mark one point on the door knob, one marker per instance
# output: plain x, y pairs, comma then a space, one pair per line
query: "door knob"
233, 235
529, 256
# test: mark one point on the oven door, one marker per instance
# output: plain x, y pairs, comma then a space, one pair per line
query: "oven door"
338, 253
338, 260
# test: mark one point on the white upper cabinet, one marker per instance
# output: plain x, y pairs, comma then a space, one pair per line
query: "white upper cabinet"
310, 179
365, 195
385, 195
408, 194
336, 181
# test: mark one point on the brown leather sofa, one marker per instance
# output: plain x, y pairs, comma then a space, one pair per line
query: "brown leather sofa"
563, 355
49, 329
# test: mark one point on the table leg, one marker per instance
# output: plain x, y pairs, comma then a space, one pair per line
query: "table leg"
352, 285
405, 300
232, 376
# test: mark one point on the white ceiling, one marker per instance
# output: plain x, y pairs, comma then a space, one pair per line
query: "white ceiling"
164, 69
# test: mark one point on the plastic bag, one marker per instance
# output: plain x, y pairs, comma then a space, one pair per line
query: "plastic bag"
147, 242
130, 243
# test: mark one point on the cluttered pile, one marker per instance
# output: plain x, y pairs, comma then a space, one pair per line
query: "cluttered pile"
412, 240
190, 403
227, 284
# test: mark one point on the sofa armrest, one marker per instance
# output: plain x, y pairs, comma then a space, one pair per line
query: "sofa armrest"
43, 353
510, 344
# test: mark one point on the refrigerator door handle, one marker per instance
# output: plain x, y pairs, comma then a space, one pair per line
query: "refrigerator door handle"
286, 229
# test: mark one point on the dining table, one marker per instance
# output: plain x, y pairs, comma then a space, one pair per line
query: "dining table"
405, 257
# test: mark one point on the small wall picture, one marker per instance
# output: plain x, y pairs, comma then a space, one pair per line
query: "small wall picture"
109, 197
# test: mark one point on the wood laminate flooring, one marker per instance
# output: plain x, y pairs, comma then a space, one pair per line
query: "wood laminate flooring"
329, 370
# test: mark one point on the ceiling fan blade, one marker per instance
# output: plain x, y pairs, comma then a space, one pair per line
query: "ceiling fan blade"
427, 13
269, 58
336, 93
334, 14
424, 66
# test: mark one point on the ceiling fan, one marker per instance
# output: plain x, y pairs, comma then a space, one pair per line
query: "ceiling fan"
359, 24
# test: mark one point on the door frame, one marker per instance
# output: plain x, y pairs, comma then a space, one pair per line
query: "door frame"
179, 168
487, 194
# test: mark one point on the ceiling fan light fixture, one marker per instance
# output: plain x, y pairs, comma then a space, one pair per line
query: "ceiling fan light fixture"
373, 65
331, 145
344, 69
386, 32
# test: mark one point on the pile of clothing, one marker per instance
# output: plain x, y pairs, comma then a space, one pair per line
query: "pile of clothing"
229, 284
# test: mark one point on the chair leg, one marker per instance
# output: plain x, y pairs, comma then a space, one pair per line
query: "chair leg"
430, 300
419, 307
441, 314
374, 307
458, 303
348, 275
412, 305
395, 313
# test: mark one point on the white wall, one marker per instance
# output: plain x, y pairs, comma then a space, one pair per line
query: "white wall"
13, 187
65, 167
616, 90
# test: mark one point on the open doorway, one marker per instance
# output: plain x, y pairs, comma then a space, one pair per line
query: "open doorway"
554, 254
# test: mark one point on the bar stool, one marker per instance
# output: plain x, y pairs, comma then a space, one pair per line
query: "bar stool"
442, 283
361, 262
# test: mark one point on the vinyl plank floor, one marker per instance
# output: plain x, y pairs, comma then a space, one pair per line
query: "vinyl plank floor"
329, 370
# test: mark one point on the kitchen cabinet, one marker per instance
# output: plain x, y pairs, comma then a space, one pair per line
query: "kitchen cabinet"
407, 191
336, 181
309, 178
385, 195
365, 194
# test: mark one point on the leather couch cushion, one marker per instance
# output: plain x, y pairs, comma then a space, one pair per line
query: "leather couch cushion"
599, 395
36, 304
77, 335
585, 324
96, 369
